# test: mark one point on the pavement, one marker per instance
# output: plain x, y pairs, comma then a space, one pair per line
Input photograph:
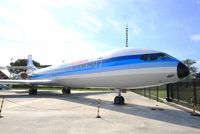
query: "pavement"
50, 112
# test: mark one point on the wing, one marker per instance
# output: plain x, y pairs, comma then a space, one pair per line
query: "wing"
25, 82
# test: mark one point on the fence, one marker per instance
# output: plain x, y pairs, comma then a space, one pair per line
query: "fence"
185, 93
156, 93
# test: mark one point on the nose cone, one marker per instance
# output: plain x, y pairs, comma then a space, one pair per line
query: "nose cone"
182, 70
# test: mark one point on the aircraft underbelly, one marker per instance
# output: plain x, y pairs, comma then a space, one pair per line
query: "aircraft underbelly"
131, 78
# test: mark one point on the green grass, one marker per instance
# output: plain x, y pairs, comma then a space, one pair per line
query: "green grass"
153, 92
185, 93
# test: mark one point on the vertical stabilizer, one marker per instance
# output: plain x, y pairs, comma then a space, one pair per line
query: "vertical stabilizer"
30, 65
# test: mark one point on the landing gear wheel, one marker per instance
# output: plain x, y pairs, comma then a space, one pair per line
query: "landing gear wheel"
66, 90
32, 91
119, 100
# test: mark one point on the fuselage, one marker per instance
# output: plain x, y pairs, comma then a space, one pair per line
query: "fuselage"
123, 69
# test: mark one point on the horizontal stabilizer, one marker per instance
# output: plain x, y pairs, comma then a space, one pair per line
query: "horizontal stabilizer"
4, 74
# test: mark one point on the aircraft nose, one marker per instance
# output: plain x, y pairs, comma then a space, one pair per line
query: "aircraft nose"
182, 70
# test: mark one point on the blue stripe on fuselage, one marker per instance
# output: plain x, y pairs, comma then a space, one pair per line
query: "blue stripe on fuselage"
116, 63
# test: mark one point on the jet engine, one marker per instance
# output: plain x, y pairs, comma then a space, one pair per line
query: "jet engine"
23, 75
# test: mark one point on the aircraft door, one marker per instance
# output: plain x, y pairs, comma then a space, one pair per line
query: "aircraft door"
99, 63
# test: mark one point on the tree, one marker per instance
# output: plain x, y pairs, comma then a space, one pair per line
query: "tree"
23, 62
190, 64
198, 75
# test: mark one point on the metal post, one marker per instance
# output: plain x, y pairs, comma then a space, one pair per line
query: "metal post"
144, 92
178, 97
157, 93
167, 98
195, 93
193, 107
149, 93
99, 102
171, 90
170, 95
1, 107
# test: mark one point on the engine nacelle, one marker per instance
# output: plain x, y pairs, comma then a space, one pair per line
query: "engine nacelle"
23, 75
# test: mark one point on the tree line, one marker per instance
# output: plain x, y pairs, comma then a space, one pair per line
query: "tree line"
23, 62
194, 72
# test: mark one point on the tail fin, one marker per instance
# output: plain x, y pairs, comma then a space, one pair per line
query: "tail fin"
30, 65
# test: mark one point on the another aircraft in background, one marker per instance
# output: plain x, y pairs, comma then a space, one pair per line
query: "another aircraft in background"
4, 74
120, 69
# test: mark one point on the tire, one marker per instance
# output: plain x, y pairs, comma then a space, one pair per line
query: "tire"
119, 100
66, 90
32, 91
122, 99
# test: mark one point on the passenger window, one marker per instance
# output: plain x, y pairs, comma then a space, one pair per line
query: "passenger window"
90, 64
93, 64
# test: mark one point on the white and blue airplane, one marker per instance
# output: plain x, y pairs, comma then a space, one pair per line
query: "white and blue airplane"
120, 69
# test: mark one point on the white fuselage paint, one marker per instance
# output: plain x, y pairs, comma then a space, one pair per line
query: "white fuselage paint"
121, 78
124, 79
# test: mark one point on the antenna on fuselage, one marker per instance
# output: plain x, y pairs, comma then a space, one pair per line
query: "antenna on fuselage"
126, 35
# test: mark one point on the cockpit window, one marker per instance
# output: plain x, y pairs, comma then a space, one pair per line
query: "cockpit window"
153, 57
144, 57
148, 57
163, 56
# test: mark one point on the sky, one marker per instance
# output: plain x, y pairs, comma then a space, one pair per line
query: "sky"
56, 31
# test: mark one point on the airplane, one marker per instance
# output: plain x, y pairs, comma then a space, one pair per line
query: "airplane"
121, 69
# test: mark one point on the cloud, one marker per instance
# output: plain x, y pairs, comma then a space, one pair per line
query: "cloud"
195, 37
197, 64
135, 29
114, 23
86, 5
32, 29
90, 22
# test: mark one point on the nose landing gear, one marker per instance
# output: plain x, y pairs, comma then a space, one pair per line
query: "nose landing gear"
119, 100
